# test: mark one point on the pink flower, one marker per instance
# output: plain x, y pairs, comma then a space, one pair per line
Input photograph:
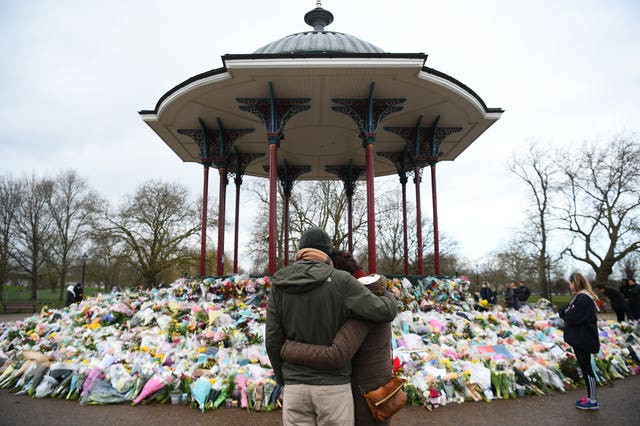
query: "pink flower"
153, 385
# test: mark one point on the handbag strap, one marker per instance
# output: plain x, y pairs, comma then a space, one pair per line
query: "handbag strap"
393, 392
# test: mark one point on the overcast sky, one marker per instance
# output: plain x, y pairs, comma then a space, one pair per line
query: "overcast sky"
74, 74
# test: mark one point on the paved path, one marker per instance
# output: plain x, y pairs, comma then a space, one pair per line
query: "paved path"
619, 407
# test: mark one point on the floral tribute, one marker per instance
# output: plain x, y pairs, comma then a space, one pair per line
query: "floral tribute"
204, 338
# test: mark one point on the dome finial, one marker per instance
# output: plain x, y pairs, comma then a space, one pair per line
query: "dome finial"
318, 18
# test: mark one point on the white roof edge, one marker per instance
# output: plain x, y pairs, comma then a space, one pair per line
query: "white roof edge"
189, 87
460, 91
324, 63
148, 118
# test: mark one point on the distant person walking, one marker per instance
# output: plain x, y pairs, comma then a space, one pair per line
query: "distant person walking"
523, 293
581, 333
633, 300
616, 300
75, 293
486, 293
511, 300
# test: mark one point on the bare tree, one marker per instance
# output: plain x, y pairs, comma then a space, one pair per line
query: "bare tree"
9, 202
537, 170
519, 265
449, 261
155, 227
72, 206
629, 267
601, 208
34, 229
390, 234
324, 204
315, 203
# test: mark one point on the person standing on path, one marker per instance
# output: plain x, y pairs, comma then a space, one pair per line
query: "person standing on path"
634, 299
523, 293
581, 333
363, 344
309, 301
616, 300
511, 300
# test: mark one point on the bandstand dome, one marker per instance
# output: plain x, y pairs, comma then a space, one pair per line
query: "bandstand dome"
319, 40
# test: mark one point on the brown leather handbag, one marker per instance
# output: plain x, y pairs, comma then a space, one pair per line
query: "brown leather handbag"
386, 400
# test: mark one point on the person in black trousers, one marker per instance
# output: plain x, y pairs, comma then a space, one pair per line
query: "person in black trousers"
581, 333
633, 301
616, 300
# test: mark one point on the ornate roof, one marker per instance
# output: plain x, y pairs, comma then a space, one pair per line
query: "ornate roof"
319, 40
326, 69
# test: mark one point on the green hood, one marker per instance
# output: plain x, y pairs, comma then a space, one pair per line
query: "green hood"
302, 276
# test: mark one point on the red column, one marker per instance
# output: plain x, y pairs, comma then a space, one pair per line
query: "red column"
203, 238
235, 232
222, 197
371, 211
419, 222
273, 201
350, 221
286, 229
404, 228
436, 238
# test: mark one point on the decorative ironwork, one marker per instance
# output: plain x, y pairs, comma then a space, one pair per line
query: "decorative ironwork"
423, 143
288, 174
399, 160
368, 113
417, 174
241, 160
273, 112
214, 144
349, 174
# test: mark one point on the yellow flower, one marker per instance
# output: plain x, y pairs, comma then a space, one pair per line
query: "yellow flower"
144, 348
201, 350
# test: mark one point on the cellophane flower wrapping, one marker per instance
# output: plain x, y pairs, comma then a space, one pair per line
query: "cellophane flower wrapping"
207, 337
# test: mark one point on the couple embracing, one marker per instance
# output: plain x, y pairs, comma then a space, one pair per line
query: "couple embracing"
327, 336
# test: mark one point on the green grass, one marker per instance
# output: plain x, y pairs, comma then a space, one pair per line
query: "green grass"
15, 294
558, 300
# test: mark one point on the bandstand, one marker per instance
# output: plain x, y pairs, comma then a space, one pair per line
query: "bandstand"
320, 105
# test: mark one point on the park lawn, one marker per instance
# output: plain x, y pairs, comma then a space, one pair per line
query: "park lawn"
558, 300
16, 294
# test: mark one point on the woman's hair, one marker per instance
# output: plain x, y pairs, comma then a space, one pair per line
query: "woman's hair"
345, 261
581, 283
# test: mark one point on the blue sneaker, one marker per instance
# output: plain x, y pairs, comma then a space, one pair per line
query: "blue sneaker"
585, 404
